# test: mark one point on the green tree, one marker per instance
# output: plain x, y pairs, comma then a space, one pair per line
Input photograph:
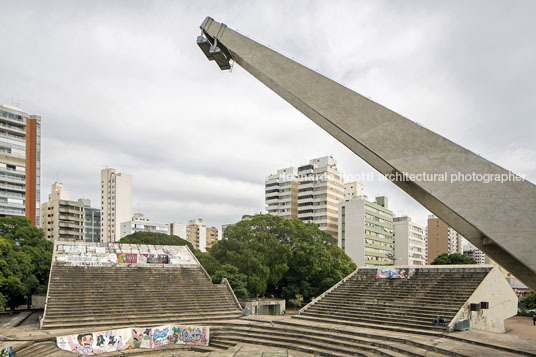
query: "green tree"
208, 262
237, 280
282, 257
529, 301
155, 239
3, 302
456, 258
25, 257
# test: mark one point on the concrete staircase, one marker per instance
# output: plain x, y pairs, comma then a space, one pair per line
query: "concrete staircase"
408, 303
328, 339
112, 296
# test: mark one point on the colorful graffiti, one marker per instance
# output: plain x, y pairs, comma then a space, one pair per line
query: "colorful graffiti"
6, 352
127, 258
92, 343
391, 273
96, 254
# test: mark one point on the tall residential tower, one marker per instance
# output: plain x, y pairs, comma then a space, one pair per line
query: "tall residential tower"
116, 203
366, 231
442, 239
20, 163
310, 193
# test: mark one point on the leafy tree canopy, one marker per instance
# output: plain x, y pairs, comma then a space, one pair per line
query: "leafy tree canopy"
529, 301
456, 258
155, 239
282, 257
237, 280
25, 257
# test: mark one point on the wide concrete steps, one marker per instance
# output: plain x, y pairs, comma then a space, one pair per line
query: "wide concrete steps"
410, 303
385, 307
407, 323
138, 295
318, 341
383, 314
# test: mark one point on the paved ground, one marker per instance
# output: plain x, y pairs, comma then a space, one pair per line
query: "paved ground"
520, 326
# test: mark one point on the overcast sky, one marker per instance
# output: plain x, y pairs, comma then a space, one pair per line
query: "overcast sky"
123, 84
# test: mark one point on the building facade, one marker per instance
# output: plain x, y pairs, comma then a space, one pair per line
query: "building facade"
66, 220
473, 252
281, 193
92, 222
442, 239
310, 193
366, 231
197, 233
410, 242
116, 203
353, 190
20, 163
140, 223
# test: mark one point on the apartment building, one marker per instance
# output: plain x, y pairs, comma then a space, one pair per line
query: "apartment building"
20, 163
281, 190
353, 190
473, 252
442, 239
140, 223
116, 203
309, 192
366, 231
197, 233
410, 242
66, 220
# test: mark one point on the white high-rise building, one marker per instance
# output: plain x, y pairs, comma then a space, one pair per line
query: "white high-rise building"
410, 242
282, 193
310, 193
116, 203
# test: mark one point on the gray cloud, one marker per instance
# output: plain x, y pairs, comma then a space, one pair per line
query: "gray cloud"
123, 84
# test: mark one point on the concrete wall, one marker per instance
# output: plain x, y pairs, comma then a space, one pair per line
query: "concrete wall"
502, 304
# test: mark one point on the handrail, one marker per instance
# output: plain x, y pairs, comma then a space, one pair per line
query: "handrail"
48, 285
226, 282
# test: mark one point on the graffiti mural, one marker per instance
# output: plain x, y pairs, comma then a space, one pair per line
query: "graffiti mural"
98, 254
127, 258
392, 273
92, 343
6, 352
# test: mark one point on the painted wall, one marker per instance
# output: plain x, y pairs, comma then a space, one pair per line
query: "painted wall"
92, 343
97, 254
496, 290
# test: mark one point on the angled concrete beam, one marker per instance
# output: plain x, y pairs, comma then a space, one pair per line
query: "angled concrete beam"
498, 218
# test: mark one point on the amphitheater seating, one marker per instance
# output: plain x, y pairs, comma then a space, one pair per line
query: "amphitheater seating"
407, 303
134, 295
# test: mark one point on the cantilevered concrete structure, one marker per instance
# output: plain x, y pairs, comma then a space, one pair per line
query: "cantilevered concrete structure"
499, 218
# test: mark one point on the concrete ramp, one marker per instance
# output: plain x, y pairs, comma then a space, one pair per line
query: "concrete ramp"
99, 284
490, 206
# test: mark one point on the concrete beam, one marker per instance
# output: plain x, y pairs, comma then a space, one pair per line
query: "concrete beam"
498, 218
